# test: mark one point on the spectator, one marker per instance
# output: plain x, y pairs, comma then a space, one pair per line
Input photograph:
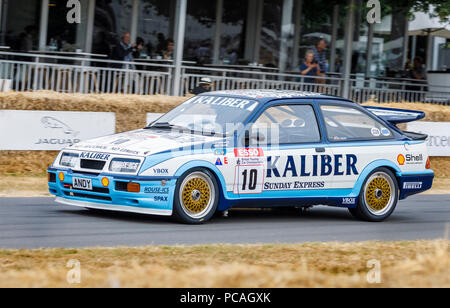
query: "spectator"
27, 39
309, 67
123, 51
321, 58
417, 71
168, 52
161, 44
138, 50
204, 86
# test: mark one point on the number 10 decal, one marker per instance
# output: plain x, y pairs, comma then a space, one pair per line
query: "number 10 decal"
249, 179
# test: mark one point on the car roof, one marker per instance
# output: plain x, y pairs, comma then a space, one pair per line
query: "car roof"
264, 96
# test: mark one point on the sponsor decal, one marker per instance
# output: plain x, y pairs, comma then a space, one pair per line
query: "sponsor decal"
293, 185
320, 165
220, 152
375, 132
156, 190
348, 201
410, 159
160, 198
401, 159
95, 156
385, 132
122, 150
252, 156
219, 161
237, 103
160, 171
412, 185
92, 147
414, 159
255, 152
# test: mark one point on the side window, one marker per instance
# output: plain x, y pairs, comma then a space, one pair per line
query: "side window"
288, 124
346, 123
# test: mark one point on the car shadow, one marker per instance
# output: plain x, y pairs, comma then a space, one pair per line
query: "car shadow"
267, 215
119, 216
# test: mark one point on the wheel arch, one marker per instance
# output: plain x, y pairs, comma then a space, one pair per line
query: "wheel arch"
214, 171
382, 163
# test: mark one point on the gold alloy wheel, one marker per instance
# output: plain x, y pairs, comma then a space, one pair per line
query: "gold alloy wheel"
379, 193
197, 195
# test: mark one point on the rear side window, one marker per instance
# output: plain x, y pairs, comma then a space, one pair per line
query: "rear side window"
294, 124
346, 124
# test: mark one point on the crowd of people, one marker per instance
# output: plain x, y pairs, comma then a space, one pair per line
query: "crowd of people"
127, 51
315, 63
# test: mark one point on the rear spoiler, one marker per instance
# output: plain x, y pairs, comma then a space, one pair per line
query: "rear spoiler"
396, 116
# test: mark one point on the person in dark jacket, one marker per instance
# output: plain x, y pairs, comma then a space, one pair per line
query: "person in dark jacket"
204, 86
123, 51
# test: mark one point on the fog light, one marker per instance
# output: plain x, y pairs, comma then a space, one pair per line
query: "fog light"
133, 187
61, 176
105, 182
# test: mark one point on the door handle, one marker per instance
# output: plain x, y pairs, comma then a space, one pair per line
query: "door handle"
320, 150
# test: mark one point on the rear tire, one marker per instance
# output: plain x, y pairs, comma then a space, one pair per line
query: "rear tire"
378, 197
196, 197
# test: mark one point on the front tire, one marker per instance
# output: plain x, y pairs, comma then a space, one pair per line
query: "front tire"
378, 197
196, 196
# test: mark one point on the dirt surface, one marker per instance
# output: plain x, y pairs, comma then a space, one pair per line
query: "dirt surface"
400, 264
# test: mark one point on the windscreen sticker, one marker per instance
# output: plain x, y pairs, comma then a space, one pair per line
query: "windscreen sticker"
385, 132
375, 132
237, 103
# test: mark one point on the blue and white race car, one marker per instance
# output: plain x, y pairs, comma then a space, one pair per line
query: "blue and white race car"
250, 148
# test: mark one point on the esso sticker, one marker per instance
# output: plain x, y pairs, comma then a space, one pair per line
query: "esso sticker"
248, 152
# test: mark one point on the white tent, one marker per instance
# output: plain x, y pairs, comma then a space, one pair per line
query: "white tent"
422, 24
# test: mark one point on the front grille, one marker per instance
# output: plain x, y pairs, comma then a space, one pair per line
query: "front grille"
99, 190
92, 164
80, 195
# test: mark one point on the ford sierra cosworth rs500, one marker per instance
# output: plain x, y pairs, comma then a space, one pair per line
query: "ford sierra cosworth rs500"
250, 148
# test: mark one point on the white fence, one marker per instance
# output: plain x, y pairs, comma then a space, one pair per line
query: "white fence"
32, 72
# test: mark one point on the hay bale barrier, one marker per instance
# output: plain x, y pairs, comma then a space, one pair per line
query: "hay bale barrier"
131, 113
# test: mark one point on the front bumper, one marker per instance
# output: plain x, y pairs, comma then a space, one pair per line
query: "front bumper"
155, 196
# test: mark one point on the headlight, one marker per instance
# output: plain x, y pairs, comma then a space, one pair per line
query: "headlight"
68, 160
124, 165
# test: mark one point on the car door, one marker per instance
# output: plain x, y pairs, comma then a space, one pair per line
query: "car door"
285, 137
356, 139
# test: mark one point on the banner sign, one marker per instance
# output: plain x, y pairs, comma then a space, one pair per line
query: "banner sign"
438, 141
51, 130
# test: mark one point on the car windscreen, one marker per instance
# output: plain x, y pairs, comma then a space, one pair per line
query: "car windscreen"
209, 114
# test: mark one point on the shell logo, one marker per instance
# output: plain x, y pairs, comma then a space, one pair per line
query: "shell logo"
401, 159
